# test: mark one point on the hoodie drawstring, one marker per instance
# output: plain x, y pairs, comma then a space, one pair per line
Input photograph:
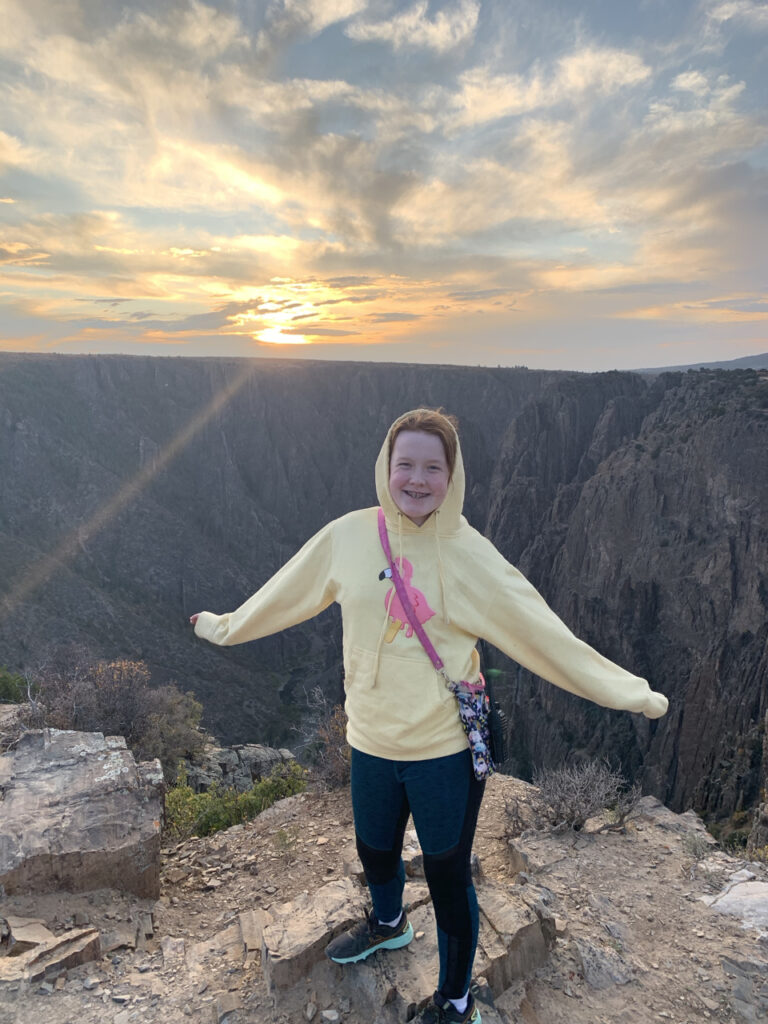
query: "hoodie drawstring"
440, 570
387, 604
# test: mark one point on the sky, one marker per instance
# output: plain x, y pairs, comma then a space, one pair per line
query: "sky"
543, 183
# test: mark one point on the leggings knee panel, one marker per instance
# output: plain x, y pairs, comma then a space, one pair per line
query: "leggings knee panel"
381, 866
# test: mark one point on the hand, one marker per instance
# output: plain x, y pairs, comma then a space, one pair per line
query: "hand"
193, 618
656, 705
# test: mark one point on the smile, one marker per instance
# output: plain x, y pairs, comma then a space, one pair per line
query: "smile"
417, 494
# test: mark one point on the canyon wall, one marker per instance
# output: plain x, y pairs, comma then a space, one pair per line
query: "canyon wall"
134, 491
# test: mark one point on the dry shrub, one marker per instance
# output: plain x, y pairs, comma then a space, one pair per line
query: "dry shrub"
116, 699
329, 751
571, 795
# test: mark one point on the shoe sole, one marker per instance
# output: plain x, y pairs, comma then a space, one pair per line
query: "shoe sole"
396, 942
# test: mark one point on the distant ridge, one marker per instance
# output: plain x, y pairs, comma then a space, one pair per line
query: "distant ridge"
757, 362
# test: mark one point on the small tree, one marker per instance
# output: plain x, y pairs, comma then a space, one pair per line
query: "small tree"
13, 687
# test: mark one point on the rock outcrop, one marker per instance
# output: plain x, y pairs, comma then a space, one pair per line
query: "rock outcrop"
649, 536
610, 926
35, 953
78, 813
236, 767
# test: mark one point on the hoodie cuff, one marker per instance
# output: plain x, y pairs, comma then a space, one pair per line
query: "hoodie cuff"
656, 705
206, 624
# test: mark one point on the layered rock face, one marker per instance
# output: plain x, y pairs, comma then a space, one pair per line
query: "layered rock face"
237, 767
637, 506
649, 536
78, 813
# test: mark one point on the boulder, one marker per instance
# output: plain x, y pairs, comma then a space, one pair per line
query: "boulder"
79, 814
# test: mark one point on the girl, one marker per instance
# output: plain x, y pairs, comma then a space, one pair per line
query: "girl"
409, 750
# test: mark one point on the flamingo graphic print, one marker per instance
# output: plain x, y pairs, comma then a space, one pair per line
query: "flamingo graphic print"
397, 618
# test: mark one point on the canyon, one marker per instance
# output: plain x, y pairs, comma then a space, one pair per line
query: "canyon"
135, 491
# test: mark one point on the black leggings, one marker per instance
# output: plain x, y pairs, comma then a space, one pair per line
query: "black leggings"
444, 798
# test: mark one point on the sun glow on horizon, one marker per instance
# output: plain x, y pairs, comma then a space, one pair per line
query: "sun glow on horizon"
274, 336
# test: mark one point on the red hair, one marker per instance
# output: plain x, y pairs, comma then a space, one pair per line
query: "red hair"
430, 421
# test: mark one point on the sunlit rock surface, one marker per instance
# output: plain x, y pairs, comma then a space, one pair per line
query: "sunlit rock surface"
79, 813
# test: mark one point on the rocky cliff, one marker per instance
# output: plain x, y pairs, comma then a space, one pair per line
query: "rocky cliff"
649, 535
134, 491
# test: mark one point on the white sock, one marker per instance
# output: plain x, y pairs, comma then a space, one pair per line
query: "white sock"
391, 924
460, 1004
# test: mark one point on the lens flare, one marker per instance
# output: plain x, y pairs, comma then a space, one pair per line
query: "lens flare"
67, 549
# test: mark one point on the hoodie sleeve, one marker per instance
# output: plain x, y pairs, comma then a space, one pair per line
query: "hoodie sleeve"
519, 622
301, 589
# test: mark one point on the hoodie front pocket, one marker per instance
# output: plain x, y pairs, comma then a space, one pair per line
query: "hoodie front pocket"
359, 668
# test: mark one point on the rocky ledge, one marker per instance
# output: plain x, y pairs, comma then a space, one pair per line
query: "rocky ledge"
591, 928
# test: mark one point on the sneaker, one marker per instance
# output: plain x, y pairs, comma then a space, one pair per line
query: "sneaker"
442, 1011
366, 937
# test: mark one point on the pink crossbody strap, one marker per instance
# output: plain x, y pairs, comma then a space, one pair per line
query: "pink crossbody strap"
402, 593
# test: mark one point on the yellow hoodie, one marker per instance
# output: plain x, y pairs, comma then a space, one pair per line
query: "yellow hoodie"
397, 705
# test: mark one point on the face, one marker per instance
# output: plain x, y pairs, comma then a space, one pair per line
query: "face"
418, 474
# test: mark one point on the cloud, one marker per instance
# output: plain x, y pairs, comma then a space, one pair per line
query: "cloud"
245, 171
413, 28
486, 96
310, 16
317, 332
732, 310
691, 81
484, 193
754, 14
390, 318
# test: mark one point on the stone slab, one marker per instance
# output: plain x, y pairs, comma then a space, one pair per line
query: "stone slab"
511, 944
252, 925
297, 936
392, 985
50, 958
29, 930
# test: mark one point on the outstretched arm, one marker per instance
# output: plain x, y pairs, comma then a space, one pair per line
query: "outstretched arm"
519, 622
301, 589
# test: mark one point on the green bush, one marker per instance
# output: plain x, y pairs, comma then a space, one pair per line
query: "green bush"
13, 687
188, 813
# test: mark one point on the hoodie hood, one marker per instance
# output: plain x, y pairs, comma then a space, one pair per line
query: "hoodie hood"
445, 520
